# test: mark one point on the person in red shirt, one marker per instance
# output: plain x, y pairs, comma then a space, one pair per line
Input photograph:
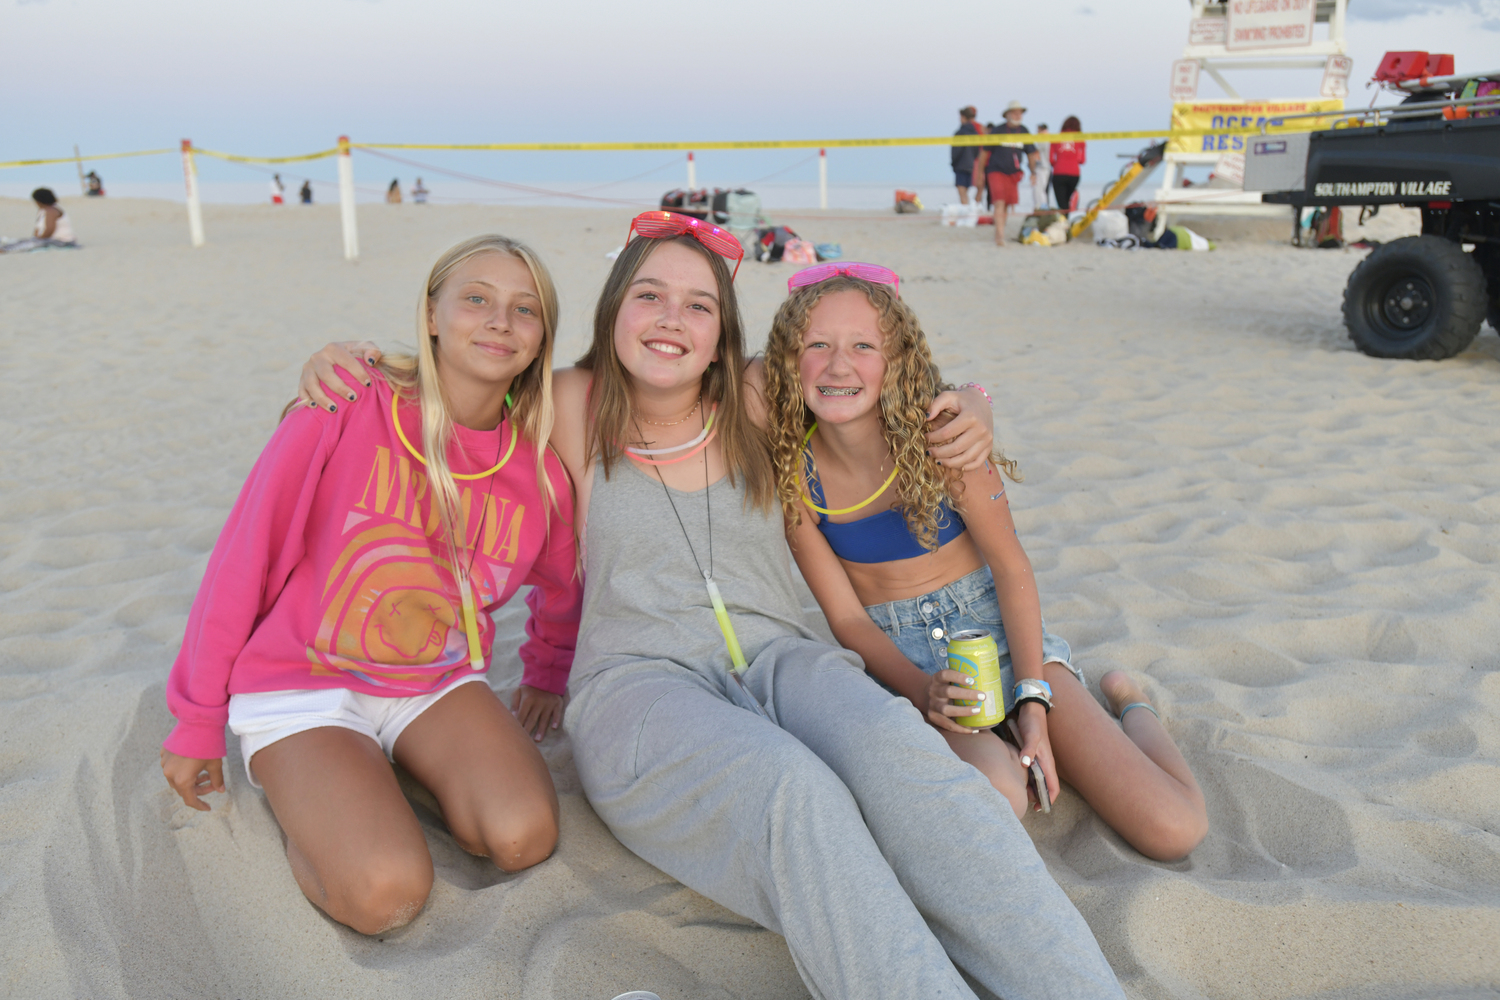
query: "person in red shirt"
1066, 159
1001, 166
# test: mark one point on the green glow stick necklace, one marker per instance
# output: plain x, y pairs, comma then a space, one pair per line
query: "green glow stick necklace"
731, 641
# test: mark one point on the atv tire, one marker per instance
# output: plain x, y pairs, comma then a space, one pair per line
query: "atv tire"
1420, 298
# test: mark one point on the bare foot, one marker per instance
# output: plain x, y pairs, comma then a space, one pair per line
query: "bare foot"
1120, 689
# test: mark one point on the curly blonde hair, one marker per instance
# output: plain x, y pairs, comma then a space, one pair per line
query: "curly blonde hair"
906, 392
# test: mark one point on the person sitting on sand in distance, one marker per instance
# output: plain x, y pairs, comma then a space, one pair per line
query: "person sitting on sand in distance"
343, 620
714, 734
901, 552
53, 228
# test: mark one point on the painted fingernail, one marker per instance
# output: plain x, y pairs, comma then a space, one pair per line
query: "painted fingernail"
1025, 761
981, 696
368, 383
332, 408
969, 681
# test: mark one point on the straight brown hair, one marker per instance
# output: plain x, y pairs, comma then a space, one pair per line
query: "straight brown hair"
611, 411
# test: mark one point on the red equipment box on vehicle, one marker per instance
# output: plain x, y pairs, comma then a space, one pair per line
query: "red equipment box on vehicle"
1398, 66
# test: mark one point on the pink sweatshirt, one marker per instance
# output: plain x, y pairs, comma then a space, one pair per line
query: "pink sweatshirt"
332, 572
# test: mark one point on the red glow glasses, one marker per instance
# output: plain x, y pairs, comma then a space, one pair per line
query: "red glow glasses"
665, 225
853, 269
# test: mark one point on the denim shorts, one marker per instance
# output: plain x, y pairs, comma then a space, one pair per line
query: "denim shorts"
967, 603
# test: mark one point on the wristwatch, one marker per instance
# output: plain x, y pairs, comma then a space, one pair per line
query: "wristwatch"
1033, 690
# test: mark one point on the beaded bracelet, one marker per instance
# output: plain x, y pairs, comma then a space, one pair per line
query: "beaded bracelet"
976, 385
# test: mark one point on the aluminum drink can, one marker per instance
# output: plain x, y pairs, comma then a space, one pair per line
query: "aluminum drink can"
975, 653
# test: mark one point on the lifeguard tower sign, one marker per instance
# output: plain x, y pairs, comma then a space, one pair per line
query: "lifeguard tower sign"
1269, 24
1238, 35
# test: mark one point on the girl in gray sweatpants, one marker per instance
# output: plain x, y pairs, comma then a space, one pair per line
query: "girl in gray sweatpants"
801, 795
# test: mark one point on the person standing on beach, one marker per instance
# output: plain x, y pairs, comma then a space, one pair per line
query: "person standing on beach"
393, 193
344, 616
1001, 165
1067, 158
1041, 174
305, 194
278, 190
419, 192
963, 157
95, 185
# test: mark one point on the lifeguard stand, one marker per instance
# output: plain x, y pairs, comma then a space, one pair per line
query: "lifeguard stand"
1208, 47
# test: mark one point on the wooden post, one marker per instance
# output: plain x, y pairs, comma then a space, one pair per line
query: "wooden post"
346, 201
692, 172
822, 178
194, 206
83, 185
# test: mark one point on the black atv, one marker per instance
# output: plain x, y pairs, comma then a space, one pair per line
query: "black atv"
1422, 297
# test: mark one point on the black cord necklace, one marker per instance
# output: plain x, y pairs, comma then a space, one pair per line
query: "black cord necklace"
731, 641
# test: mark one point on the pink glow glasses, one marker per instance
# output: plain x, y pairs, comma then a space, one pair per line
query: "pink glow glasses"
665, 225
853, 269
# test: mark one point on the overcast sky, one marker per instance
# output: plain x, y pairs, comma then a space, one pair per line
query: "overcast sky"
288, 76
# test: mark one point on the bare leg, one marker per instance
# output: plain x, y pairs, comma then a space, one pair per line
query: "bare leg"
1135, 779
354, 843
1002, 212
487, 775
997, 760
963, 196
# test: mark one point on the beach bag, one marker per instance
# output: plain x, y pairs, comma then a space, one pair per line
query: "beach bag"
1110, 225
799, 251
1141, 219
907, 202
771, 243
1057, 232
1327, 226
963, 216
1180, 238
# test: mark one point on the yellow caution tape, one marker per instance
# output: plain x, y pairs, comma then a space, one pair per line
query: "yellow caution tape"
74, 159
938, 140
575, 147
266, 159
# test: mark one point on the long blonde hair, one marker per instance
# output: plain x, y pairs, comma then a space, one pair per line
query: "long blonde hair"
610, 409
415, 378
906, 392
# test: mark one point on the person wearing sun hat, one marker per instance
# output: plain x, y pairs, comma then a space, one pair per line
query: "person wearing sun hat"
1001, 164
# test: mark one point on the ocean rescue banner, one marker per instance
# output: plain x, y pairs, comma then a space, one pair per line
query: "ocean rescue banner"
1239, 114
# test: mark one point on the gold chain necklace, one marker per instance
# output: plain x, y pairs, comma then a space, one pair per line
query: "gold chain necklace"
674, 423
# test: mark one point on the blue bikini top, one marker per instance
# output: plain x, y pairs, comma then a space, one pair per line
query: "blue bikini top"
882, 537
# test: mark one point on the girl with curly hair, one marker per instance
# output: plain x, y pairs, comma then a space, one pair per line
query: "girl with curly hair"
902, 552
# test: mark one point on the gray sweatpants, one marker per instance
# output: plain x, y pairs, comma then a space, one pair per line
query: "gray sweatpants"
827, 810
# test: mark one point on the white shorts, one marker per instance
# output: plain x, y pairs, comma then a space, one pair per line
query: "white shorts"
263, 717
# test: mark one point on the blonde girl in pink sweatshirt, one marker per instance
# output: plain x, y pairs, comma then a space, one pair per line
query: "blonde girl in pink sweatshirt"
343, 619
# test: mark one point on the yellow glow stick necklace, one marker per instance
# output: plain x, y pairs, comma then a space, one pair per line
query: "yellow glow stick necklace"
476, 475
721, 613
863, 503
465, 584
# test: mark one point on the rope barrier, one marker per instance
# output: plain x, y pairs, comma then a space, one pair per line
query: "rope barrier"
1273, 126
235, 158
75, 159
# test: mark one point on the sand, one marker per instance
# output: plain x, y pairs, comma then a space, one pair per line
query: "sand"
1292, 544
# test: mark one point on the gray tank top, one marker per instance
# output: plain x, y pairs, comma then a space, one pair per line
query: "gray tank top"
644, 599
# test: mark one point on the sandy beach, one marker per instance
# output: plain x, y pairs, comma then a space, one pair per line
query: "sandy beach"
1294, 545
